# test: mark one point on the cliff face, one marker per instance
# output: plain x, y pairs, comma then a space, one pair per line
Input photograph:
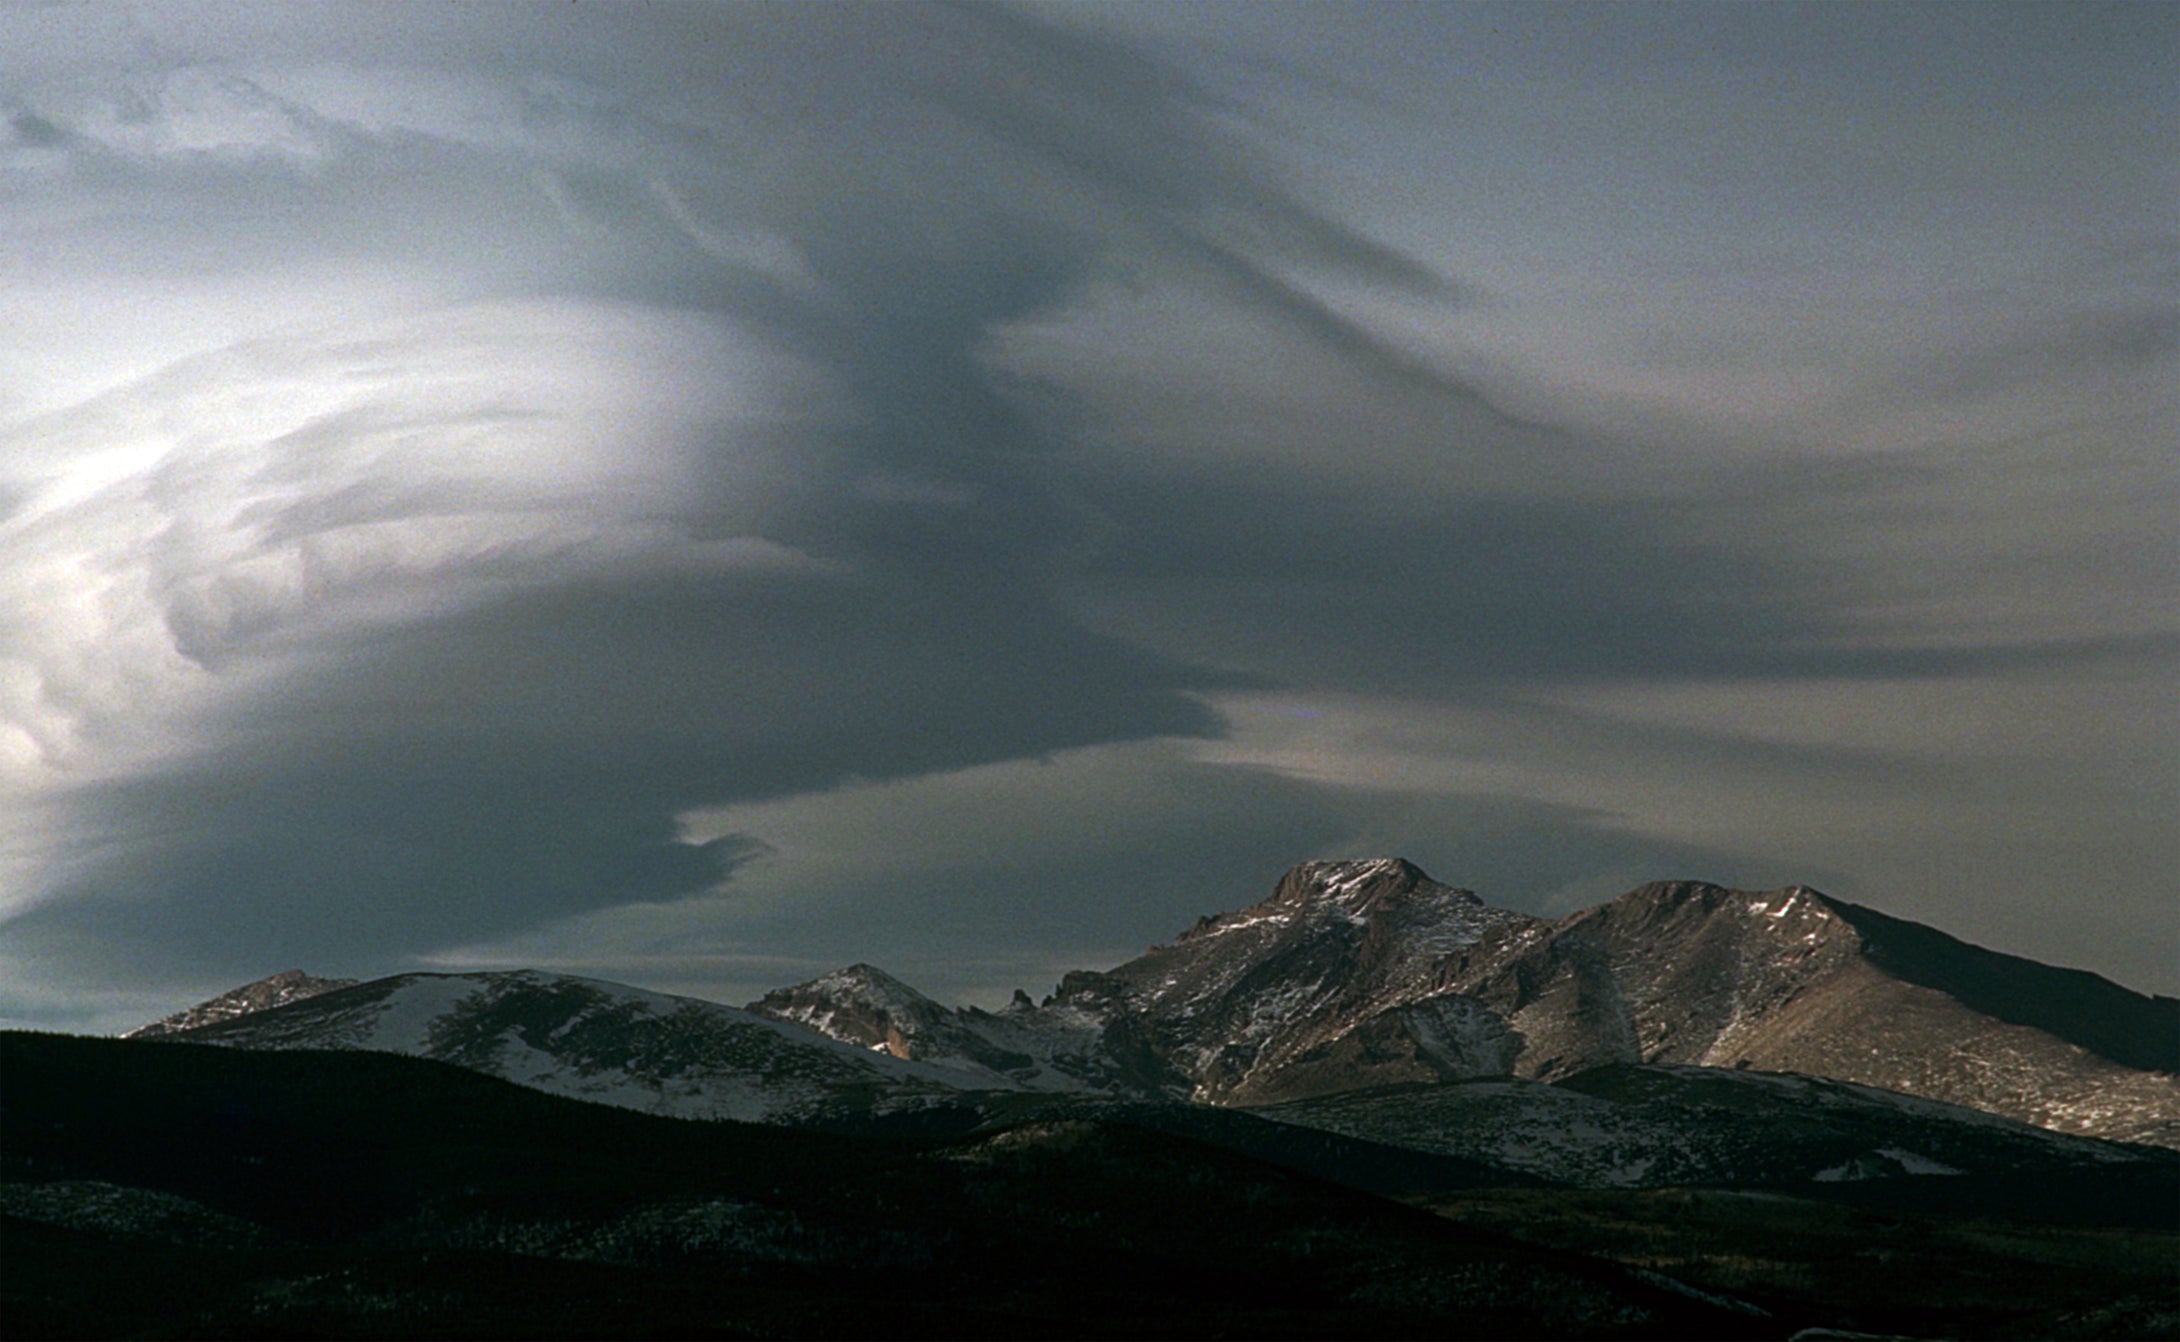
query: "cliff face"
1360, 974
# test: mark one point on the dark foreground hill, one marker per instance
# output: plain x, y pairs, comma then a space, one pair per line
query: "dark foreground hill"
174, 1190
190, 1191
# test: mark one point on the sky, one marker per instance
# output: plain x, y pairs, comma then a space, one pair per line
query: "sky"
698, 495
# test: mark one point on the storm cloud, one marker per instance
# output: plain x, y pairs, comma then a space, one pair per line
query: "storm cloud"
547, 483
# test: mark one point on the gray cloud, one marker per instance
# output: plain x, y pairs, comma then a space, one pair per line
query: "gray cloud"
487, 772
522, 757
443, 450
1757, 575
2077, 346
974, 882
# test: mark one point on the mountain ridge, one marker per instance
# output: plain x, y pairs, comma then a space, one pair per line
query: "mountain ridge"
274, 990
1368, 973
592, 1040
1363, 974
1792, 980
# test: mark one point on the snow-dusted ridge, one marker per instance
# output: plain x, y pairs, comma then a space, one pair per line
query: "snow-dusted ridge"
1016, 1049
604, 1042
1350, 977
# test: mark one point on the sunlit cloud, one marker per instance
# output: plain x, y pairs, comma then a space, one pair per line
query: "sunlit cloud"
248, 505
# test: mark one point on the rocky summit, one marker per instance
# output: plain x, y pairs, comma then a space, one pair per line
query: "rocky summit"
277, 990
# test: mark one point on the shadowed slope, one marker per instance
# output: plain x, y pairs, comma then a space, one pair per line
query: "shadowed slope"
396, 1197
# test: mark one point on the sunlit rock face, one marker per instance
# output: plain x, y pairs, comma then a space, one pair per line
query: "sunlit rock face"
1325, 986
1369, 973
1794, 981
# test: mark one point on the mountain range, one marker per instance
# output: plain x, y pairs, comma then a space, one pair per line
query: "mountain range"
1352, 979
1730, 1113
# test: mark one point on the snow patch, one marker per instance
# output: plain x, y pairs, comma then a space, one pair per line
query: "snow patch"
1914, 1163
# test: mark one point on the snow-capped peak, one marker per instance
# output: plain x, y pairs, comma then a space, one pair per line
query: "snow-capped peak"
869, 984
1361, 886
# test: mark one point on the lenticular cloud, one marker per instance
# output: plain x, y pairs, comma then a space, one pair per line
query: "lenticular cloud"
171, 536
